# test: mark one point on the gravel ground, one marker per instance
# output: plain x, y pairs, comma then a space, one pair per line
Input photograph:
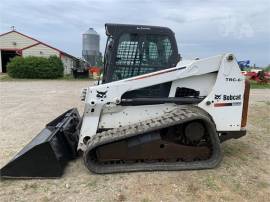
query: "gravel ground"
25, 106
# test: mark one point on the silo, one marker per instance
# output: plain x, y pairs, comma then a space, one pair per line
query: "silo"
90, 51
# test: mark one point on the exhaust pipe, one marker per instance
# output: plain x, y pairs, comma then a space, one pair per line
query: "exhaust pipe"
48, 153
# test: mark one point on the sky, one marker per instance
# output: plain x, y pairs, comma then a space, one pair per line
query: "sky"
202, 28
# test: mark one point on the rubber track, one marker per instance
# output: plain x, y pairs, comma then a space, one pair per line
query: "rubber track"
175, 117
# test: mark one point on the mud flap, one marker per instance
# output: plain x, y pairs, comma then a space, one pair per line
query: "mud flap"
48, 153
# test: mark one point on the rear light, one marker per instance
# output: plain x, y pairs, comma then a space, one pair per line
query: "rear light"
245, 104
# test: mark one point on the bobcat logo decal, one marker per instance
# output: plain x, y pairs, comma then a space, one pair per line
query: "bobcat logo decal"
217, 97
101, 94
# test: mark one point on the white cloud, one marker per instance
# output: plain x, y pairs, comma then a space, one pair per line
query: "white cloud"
202, 28
236, 26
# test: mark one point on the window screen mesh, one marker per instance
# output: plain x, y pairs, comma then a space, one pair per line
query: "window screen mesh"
138, 55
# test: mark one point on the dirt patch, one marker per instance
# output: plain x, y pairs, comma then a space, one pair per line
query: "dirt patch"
243, 175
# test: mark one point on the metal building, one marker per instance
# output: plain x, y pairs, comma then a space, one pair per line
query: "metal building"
90, 43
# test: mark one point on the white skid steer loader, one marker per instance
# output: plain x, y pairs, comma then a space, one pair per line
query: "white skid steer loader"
150, 111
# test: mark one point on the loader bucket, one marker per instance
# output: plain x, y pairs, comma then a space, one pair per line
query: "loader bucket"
48, 153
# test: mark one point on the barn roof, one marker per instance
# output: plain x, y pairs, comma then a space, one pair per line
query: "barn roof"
38, 42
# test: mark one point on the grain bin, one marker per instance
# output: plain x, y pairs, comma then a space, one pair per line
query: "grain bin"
90, 42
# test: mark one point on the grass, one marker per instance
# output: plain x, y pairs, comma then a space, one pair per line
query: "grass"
255, 85
92, 183
30, 186
236, 186
6, 77
263, 185
210, 183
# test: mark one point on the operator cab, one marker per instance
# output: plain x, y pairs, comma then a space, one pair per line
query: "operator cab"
132, 50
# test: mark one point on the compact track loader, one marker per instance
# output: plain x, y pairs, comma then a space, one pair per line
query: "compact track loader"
150, 111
